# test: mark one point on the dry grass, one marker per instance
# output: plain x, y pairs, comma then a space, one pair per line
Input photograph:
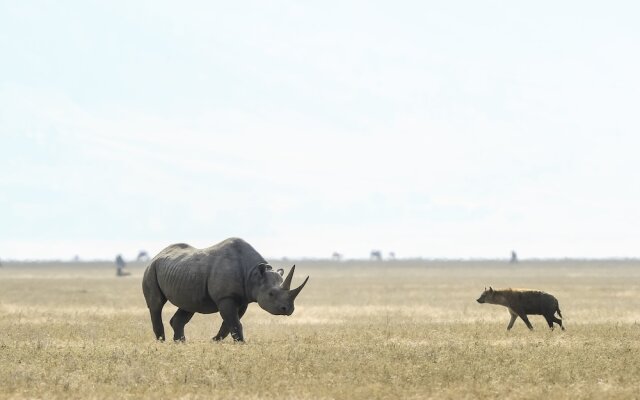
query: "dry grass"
360, 331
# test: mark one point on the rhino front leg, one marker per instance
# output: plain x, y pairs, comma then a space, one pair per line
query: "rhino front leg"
230, 310
224, 328
177, 322
222, 333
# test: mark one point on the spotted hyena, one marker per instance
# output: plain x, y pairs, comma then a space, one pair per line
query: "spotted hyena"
523, 302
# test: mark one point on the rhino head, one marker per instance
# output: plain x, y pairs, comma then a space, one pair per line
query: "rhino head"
275, 295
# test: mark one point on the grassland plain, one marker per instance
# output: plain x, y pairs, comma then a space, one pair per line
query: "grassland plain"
403, 329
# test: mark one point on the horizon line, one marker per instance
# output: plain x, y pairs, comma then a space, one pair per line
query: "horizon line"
345, 260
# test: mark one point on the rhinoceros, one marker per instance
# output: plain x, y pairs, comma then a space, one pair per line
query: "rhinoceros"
225, 277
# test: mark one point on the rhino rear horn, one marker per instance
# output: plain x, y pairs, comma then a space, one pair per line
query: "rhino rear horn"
287, 281
295, 292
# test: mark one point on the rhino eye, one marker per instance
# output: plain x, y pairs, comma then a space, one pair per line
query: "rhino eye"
270, 294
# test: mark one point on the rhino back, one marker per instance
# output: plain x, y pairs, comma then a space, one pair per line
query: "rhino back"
195, 279
234, 260
181, 272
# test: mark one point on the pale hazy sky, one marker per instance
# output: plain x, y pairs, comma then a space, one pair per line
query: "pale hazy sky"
433, 129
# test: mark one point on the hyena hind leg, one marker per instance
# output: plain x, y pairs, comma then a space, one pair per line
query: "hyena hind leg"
550, 320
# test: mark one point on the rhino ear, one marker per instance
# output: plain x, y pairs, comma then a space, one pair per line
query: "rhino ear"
490, 289
262, 267
281, 271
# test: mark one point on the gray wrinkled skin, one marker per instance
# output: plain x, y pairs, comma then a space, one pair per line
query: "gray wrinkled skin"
222, 278
523, 302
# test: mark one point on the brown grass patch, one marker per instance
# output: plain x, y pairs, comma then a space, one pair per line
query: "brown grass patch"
360, 331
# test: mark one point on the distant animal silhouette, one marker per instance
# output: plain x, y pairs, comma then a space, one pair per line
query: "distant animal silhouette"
120, 264
336, 256
375, 255
142, 256
514, 257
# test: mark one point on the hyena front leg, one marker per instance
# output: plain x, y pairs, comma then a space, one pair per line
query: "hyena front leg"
513, 319
526, 320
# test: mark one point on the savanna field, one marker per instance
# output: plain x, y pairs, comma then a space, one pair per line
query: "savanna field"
361, 330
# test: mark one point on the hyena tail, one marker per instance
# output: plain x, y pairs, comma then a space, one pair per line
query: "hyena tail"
558, 311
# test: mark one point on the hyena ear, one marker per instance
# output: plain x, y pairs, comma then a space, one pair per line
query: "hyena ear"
490, 289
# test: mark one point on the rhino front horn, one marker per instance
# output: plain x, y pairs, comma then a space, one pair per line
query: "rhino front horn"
297, 290
287, 281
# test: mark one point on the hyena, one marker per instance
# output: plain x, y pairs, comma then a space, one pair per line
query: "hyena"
523, 302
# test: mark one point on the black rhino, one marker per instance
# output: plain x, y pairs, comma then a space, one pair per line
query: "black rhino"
225, 277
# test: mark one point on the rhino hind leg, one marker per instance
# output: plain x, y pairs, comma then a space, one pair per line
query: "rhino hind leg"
156, 321
155, 300
177, 322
